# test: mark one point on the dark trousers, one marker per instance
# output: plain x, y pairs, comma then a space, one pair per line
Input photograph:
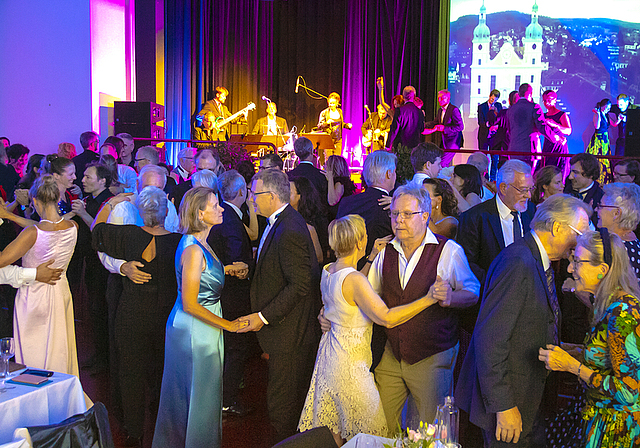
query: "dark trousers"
96, 277
237, 347
535, 438
289, 379
114, 291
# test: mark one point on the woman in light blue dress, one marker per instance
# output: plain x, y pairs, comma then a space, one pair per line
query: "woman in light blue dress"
190, 413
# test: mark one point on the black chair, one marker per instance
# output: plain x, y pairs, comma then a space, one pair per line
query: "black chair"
314, 438
88, 430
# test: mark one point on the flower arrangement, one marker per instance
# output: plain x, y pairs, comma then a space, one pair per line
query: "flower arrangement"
423, 437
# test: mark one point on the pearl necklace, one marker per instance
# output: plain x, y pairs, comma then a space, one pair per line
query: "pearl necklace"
57, 222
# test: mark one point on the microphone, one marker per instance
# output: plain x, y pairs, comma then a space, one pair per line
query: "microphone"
266, 99
297, 84
367, 107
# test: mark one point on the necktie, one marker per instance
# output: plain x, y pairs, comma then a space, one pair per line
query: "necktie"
517, 230
553, 300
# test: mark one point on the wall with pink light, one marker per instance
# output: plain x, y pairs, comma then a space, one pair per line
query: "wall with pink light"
61, 65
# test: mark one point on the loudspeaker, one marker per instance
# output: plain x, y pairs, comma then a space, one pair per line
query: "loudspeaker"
140, 119
632, 136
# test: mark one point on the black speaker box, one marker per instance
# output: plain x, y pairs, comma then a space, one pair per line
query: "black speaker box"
140, 119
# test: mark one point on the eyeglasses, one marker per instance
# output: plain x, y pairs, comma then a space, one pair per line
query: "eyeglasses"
523, 190
140, 160
574, 229
258, 193
405, 215
599, 206
576, 261
616, 173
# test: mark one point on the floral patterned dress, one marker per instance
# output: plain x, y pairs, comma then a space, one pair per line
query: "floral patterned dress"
612, 412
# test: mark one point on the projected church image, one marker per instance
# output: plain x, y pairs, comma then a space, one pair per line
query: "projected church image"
508, 69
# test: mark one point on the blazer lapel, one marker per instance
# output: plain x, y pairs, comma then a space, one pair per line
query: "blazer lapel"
535, 251
272, 232
495, 224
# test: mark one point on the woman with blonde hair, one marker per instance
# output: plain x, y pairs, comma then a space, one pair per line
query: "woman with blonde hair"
343, 395
67, 150
190, 413
608, 363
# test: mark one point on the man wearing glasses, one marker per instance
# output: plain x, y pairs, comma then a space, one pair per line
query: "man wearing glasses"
420, 354
489, 227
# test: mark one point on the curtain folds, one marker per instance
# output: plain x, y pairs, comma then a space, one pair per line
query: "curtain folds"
258, 47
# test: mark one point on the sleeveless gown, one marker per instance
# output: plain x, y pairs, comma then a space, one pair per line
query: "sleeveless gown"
43, 324
343, 395
190, 413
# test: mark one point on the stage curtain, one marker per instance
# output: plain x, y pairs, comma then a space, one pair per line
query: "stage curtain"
257, 47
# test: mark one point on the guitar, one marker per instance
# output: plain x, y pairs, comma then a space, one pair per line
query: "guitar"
222, 122
372, 136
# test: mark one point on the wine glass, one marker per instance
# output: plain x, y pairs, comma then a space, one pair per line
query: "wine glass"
7, 350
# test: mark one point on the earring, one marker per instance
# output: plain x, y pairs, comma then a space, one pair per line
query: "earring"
437, 207
600, 276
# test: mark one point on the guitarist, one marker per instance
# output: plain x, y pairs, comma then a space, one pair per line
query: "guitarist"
375, 130
331, 121
221, 112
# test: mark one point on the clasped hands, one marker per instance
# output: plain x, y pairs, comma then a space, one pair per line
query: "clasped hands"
237, 269
441, 292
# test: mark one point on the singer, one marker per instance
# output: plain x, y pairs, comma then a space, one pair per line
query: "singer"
271, 125
376, 129
331, 121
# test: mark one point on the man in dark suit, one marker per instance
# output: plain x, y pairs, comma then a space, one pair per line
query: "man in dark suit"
408, 122
487, 113
582, 181
487, 228
379, 173
90, 142
526, 123
205, 160
502, 381
285, 300
271, 124
448, 122
304, 150
231, 243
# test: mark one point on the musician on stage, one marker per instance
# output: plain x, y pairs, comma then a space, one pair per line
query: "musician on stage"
375, 130
271, 124
331, 121
221, 112
206, 131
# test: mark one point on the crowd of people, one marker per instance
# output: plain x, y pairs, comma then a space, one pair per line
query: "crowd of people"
367, 303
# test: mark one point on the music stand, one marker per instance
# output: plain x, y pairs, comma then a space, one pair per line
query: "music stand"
321, 141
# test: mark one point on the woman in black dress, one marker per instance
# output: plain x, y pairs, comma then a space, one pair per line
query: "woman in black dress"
143, 309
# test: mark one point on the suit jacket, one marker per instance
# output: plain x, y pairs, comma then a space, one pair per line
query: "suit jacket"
525, 121
501, 369
178, 192
480, 234
375, 218
81, 161
317, 178
592, 196
230, 242
263, 124
453, 127
406, 127
286, 286
486, 115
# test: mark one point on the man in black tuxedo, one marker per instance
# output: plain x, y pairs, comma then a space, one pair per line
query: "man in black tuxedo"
231, 243
502, 381
90, 142
582, 181
526, 123
408, 122
205, 160
304, 150
448, 121
487, 113
285, 300
487, 228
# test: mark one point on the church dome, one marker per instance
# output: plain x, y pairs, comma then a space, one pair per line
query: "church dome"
534, 31
482, 30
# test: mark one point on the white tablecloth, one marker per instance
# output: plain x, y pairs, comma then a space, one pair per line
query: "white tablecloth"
45, 405
367, 441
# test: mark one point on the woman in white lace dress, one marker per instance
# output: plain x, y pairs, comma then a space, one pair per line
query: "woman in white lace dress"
343, 395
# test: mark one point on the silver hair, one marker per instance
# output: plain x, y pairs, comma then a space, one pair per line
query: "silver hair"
152, 169
230, 183
560, 208
150, 153
184, 152
205, 178
152, 206
275, 181
627, 197
507, 173
376, 166
421, 195
125, 136
479, 160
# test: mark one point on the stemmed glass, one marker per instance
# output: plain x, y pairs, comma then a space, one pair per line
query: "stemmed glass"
7, 350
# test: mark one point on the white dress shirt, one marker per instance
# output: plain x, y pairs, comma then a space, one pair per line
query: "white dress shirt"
235, 208
17, 276
418, 178
506, 221
127, 177
546, 262
453, 266
125, 213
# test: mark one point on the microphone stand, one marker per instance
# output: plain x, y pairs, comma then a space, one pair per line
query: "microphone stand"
308, 89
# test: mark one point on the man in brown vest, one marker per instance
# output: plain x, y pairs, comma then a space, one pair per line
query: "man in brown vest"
420, 354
